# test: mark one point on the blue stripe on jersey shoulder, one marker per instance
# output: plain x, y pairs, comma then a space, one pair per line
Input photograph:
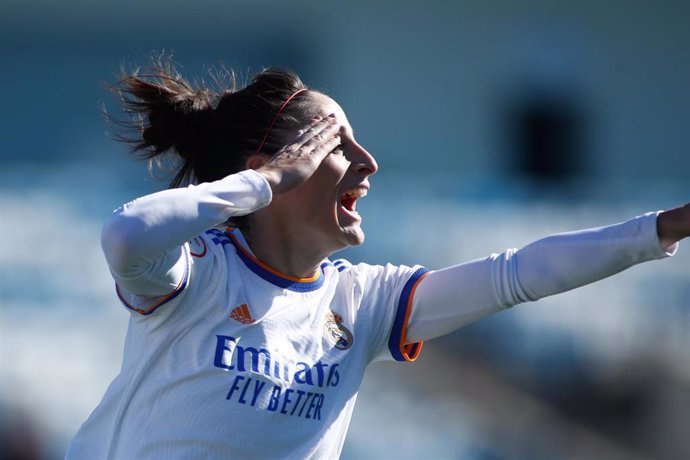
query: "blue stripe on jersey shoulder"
342, 264
218, 237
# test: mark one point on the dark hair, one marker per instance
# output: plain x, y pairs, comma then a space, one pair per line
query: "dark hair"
209, 132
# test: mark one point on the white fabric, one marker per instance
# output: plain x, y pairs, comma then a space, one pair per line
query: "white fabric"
448, 299
142, 239
207, 322
202, 379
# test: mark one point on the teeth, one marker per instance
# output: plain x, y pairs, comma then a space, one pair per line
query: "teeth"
356, 192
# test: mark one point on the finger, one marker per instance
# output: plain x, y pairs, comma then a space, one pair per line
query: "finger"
325, 129
304, 127
319, 138
317, 126
323, 150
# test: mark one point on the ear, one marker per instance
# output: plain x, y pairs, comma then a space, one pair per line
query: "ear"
256, 160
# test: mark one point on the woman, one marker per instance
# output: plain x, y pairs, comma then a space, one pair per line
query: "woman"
245, 340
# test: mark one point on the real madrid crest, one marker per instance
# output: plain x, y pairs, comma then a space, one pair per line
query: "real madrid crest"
334, 331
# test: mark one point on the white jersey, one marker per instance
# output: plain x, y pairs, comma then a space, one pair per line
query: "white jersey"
244, 362
227, 358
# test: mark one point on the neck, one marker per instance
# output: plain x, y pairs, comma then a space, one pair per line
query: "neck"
288, 252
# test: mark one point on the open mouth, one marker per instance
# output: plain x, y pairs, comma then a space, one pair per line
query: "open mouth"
348, 200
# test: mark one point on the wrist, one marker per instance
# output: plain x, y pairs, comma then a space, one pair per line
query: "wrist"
673, 225
271, 176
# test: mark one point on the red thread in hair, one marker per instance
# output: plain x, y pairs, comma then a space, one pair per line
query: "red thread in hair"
275, 118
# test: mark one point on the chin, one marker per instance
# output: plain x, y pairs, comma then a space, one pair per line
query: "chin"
354, 237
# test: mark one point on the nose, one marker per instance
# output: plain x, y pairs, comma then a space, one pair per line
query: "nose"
363, 161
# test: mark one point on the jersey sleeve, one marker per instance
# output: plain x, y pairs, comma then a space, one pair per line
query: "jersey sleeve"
205, 274
387, 295
180, 272
452, 297
147, 241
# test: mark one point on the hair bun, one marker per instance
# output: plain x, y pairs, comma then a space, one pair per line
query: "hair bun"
169, 114
210, 131
178, 125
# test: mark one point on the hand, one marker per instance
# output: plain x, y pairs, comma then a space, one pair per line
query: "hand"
296, 162
673, 225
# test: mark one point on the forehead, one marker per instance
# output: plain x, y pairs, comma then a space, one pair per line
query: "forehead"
326, 106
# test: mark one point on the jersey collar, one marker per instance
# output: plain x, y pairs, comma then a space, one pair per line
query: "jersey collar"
272, 275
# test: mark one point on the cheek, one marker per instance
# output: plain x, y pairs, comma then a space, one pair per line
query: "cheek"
321, 190
316, 194
328, 176
335, 167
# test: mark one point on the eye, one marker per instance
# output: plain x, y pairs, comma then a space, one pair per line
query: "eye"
338, 150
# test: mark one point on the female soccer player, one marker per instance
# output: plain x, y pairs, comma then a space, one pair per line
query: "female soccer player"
245, 340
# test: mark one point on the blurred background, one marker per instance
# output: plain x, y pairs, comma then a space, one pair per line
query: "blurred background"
494, 123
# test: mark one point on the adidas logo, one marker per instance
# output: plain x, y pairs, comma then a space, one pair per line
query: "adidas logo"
241, 314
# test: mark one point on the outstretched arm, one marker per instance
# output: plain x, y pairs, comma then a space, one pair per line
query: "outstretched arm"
450, 298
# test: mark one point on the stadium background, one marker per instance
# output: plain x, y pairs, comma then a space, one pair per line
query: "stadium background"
494, 123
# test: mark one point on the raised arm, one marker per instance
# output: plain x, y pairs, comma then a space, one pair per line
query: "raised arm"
143, 240
450, 298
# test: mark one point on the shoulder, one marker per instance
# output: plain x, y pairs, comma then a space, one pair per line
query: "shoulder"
385, 274
209, 251
216, 237
213, 244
